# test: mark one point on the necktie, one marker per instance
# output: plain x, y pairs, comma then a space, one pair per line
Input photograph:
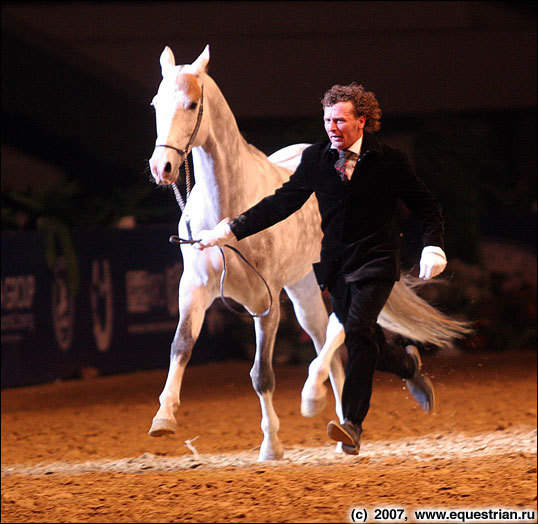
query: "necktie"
341, 163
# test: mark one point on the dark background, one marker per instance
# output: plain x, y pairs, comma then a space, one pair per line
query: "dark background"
456, 82
80, 75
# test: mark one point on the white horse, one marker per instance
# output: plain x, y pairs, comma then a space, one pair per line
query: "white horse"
231, 176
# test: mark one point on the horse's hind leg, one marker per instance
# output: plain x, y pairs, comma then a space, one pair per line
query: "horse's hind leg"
312, 316
193, 302
263, 381
327, 363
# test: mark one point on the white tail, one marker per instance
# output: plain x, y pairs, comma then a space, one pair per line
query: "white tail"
411, 316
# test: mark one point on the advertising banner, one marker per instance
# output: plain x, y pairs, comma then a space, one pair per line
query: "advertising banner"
122, 318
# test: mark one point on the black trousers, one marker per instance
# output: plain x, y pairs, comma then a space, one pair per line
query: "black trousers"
357, 305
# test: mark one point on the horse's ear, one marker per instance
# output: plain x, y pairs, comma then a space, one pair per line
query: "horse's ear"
167, 60
200, 64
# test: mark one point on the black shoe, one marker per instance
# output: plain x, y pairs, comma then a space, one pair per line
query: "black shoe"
420, 386
348, 433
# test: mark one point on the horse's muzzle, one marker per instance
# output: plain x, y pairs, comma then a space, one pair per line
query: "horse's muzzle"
163, 171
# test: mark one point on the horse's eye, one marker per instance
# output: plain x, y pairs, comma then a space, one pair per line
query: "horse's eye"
193, 105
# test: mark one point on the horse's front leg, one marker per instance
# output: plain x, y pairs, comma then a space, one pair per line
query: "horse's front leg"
314, 389
263, 381
193, 302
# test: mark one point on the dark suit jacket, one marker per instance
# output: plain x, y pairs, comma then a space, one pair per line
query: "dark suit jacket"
359, 218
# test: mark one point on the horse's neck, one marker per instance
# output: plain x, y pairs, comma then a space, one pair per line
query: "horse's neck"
224, 163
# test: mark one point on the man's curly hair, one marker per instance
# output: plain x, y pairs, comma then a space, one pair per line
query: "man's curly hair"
365, 103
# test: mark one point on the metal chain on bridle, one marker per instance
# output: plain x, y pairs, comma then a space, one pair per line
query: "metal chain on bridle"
182, 204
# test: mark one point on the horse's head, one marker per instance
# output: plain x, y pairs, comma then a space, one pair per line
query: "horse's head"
178, 109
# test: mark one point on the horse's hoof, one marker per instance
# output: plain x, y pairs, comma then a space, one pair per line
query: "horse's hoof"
310, 407
271, 453
162, 426
278, 455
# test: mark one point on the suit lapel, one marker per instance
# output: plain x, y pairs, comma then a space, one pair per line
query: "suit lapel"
370, 146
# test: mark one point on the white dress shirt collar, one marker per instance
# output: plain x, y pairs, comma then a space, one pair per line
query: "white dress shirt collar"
356, 147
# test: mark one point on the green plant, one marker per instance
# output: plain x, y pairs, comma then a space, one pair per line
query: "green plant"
51, 211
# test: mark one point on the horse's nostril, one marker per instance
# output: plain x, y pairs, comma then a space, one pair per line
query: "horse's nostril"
168, 167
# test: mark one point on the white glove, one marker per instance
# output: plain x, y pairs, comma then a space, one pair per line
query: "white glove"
432, 262
218, 236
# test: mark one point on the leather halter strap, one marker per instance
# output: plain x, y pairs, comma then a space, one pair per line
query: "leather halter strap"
194, 133
180, 151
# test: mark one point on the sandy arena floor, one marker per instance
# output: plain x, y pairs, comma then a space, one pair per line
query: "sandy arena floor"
78, 451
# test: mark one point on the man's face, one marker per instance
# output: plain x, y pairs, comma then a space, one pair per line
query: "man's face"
343, 127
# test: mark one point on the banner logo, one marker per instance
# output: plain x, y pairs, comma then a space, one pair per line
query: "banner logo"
102, 304
63, 306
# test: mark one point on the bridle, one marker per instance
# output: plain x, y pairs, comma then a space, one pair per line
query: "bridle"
194, 132
188, 180
190, 240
